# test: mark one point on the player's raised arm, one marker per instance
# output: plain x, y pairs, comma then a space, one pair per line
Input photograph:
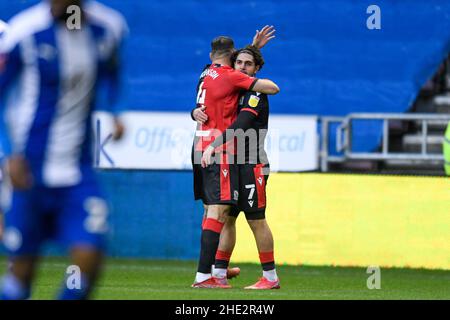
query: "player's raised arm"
262, 37
243, 81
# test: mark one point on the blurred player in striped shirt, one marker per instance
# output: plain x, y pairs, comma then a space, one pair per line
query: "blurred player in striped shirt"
50, 70
3, 28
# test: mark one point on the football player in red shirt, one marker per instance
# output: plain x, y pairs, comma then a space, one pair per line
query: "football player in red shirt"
217, 185
250, 128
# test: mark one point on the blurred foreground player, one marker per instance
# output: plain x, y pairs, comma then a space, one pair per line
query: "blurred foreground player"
1, 204
217, 186
49, 74
250, 128
3, 27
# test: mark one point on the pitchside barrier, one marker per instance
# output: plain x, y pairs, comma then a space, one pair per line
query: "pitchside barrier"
316, 219
355, 220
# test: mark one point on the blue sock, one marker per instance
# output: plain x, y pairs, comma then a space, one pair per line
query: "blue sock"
70, 293
13, 289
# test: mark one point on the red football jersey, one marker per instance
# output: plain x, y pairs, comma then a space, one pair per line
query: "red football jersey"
219, 91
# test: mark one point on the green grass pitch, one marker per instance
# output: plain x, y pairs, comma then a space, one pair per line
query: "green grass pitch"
155, 279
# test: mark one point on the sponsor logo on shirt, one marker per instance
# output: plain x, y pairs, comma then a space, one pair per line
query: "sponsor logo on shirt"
253, 101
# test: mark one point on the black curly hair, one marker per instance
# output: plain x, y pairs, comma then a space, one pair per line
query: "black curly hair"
251, 50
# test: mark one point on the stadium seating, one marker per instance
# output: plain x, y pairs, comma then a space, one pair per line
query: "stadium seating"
325, 59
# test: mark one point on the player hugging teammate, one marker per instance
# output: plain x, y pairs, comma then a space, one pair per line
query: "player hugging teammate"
234, 168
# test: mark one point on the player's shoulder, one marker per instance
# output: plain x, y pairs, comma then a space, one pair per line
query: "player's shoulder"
26, 23
259, 95
3, 27
220, 68
107, 18
234, 75
230, 71
204, 71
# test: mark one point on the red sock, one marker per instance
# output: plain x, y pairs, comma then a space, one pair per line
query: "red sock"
222, 259
267, 260
213, 225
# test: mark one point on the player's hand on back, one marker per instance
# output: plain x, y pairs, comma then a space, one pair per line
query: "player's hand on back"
206, 157
262, 37
19, 172
199, 115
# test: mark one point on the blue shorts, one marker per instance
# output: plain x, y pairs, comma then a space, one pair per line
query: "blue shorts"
71, 216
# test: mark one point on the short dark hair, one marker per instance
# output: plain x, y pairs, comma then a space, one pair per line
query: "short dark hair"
251, 50
222, 46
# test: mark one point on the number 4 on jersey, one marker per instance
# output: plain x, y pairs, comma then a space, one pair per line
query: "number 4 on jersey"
201, 94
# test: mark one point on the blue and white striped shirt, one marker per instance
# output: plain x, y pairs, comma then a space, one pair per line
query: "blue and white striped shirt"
49, 76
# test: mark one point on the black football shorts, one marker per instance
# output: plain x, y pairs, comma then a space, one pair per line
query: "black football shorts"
252, 191
217, 183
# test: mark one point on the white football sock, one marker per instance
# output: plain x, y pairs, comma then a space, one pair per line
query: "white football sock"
200, 277
219, 273
270, 275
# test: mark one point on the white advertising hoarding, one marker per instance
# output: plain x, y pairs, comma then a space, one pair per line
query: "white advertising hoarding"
163, 141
